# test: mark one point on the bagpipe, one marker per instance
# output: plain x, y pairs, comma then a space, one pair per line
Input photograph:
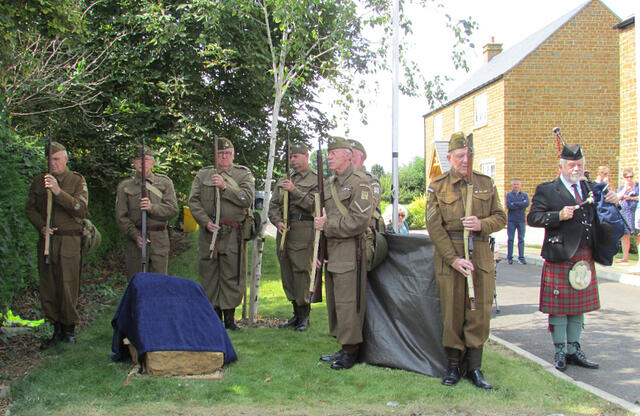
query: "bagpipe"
610, 223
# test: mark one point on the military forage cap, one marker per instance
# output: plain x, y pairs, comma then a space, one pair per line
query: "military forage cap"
457, 141
299, 148
224, 143
357, 145
55, 147
339, 143
571, 152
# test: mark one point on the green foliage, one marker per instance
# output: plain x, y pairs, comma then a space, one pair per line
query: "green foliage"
416, 210
377, 170
18, 163
411, 180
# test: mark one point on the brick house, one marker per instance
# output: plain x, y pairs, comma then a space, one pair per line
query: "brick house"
628, 103
566, 75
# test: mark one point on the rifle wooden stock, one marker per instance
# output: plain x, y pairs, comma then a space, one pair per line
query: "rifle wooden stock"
285, 201
216, 201
47, 225
143, 194
316, 246
320, 243
468, 211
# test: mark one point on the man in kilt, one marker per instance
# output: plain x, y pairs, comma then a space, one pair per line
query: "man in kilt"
562, 207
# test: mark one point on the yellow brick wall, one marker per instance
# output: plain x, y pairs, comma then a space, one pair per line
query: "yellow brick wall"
628, 111
570, 81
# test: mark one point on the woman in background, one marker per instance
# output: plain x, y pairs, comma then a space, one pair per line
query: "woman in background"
628, 194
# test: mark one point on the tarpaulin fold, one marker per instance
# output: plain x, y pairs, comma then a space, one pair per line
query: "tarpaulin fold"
403, 325
167, 313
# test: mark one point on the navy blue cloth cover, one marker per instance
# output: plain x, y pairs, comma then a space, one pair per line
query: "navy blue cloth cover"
166, 313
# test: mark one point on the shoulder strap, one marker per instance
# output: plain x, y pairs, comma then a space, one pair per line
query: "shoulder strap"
334, 194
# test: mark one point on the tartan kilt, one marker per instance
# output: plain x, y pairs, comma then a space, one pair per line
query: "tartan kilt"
558, 297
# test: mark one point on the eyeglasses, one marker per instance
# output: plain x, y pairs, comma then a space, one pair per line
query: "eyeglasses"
628, 177
400, 214
225, 153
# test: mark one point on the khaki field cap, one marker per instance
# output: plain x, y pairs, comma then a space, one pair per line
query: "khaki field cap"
224, 143
299, 148
357, 145
55, 148
457, 141
138, 152
339, 143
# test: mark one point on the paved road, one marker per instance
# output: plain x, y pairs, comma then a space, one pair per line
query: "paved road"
611, 336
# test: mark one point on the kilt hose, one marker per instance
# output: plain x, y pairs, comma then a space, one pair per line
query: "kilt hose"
558, 297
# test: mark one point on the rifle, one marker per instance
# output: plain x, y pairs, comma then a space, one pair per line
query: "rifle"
358, 271
47, 226
320, 242
143, 194
285, 198
216, 200
467, 237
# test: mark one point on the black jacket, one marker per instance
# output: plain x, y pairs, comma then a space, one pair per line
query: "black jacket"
562, 239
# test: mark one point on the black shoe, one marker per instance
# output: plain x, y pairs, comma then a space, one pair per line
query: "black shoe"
333, 357
560, 361
303, 324
229, 322
291, 322
345, 361
478, 380
68, 337
452, 376
55, 338
578, 358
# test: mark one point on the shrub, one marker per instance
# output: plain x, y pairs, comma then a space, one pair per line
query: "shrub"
416, 212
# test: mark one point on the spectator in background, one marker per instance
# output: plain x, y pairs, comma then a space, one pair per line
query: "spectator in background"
517, 203
403, 227
628, 195
603, 174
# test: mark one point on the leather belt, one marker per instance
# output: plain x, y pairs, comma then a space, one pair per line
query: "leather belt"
154, 227
232, 224
68, 233
459, 235
300, 217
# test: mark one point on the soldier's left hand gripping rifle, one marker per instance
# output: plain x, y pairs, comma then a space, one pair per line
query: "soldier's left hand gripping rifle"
285, 199
143, 194
320, 241
216, 201
467, 236
47, 224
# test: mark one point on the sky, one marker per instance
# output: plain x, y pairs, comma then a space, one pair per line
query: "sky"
507, 21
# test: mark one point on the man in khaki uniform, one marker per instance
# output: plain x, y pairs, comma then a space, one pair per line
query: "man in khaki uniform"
465, 331
60, 279
295, 258
220, 271
359, 156
160, 204
348, 208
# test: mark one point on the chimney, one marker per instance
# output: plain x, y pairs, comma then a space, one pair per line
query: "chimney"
491, 49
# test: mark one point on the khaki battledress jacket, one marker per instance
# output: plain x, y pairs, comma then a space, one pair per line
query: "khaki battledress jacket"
446, 195
376, 223
342, 231
164, 206
220, 276
60, 280
295, 259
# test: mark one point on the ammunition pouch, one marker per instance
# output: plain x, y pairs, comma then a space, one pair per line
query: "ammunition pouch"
251, 226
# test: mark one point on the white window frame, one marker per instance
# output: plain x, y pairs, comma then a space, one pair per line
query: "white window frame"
480, 110
456, 118
488, 167
437, 127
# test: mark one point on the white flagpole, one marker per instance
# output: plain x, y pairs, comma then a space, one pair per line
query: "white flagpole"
394, 118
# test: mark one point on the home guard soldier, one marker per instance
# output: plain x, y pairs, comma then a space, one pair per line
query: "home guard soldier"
60, 276
295, 258
220, 269
348, 210
465, 331
160, 204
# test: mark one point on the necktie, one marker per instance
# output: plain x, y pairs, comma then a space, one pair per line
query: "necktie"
576, 194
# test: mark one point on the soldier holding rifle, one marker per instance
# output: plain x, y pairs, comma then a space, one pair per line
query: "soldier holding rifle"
221, 271
465, 331
348, 209
295, 254
568, 287
60, 276
160, 205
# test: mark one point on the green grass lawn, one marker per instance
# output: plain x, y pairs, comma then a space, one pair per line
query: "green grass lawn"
278, 373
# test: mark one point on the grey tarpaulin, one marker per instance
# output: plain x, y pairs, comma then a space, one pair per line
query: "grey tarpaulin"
403, 327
